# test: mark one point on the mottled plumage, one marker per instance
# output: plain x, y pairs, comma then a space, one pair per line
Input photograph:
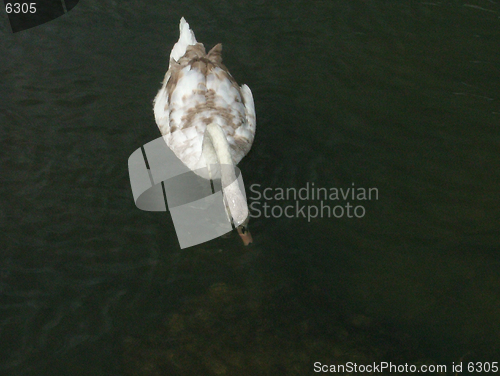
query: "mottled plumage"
206, 118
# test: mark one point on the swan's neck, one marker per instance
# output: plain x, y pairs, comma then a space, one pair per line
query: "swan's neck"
234, 197
222, 151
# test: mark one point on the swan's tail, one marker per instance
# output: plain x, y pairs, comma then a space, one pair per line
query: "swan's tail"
186, 38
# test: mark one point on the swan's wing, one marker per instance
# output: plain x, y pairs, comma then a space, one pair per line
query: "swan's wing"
179, 105
246, 132
233, 106
160, 106
162, 99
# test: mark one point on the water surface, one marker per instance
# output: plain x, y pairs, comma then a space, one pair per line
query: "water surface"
400, 97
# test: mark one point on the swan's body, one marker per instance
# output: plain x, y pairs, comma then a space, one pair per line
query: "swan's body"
206, 118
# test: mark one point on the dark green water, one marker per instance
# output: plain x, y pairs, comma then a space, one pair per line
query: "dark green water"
400, 96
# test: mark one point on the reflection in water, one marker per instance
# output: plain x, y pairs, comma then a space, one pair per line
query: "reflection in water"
398, 97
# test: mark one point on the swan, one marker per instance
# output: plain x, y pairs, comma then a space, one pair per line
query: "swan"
206, 119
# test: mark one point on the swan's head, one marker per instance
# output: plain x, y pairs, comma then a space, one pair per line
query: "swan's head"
244, 233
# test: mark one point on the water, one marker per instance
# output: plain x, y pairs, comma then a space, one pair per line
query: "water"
403, 98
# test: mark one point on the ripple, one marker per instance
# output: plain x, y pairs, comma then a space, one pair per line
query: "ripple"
29, 102
77, 102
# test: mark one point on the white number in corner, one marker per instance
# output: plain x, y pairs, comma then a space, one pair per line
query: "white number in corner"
20, 8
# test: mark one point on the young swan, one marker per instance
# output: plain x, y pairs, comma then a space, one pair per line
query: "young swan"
206, 118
